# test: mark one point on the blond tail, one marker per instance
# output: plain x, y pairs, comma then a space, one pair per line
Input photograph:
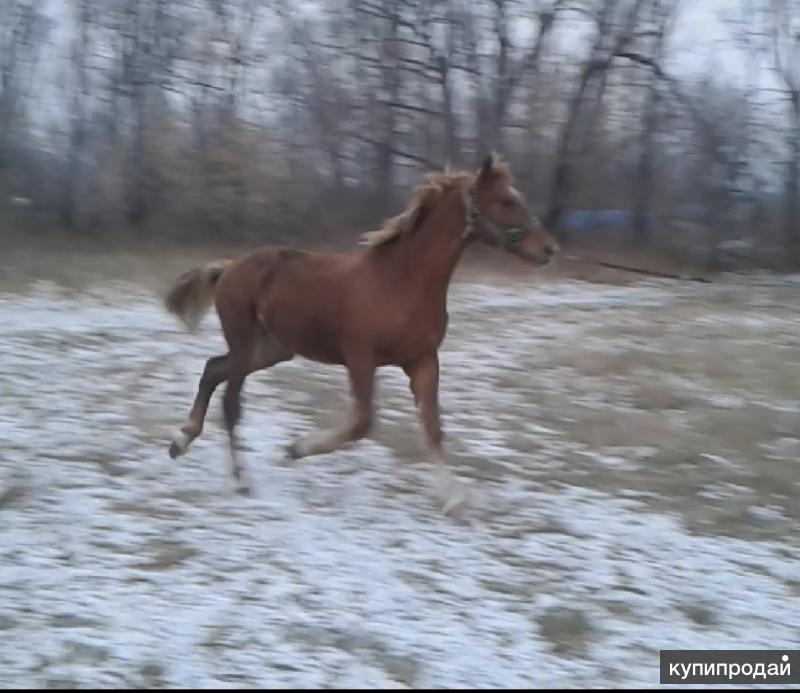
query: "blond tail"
192, 294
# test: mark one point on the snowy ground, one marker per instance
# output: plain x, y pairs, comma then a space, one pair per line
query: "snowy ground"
632, 456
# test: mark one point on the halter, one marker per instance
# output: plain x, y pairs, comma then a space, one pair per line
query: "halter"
507, 236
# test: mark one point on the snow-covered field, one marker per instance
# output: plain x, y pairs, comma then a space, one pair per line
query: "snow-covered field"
632, 457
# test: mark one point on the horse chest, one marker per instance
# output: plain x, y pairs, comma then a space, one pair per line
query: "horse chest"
413, 335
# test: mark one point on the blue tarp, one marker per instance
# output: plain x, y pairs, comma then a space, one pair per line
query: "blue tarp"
593, 219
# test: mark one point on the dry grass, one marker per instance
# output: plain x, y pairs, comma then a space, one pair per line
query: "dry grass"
74, 262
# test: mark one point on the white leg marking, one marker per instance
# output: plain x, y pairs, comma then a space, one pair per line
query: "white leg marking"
316, 443
241, 486
180, 443
451, 492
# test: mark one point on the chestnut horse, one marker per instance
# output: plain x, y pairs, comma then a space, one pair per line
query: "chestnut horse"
379, 305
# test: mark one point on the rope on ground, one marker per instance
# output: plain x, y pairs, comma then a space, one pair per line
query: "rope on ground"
638, 270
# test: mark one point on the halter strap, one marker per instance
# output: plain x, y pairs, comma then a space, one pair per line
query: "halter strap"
506, 236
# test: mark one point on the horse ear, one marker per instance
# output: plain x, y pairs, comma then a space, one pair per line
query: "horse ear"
487, 167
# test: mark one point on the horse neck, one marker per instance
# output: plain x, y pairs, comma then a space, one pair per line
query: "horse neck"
429, 254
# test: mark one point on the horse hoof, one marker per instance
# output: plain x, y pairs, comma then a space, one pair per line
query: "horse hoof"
179, 445
454, 504
451, 494
242, 488
292, 452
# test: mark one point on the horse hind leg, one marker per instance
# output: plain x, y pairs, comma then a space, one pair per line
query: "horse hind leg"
234, 368
264, 353
231, 407
214, 373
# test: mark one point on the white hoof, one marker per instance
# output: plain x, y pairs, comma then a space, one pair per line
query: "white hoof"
180, 444
242, 488
294, 451
451, 493
314, 443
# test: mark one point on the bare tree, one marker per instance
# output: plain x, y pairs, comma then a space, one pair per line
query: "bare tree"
79, 111
614, 24
223, 116
22, 30
783, 25
660, 20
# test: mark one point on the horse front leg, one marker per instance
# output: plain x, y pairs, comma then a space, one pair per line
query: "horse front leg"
362, 377
424, 382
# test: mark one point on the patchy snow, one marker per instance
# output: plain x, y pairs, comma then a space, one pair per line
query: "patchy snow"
120, 568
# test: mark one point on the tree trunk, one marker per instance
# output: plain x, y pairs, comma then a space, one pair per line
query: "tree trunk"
77, 137
644, 179
792, 212
450, 125
598, 62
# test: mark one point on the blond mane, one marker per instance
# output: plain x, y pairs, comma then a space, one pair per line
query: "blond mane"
424, 197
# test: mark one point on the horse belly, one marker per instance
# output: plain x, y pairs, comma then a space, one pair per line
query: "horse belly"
301, 306
311, 339
318, 347
307, 334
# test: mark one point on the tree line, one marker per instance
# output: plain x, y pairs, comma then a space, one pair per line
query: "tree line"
290, 121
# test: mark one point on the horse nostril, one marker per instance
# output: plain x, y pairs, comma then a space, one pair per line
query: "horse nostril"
549, 252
